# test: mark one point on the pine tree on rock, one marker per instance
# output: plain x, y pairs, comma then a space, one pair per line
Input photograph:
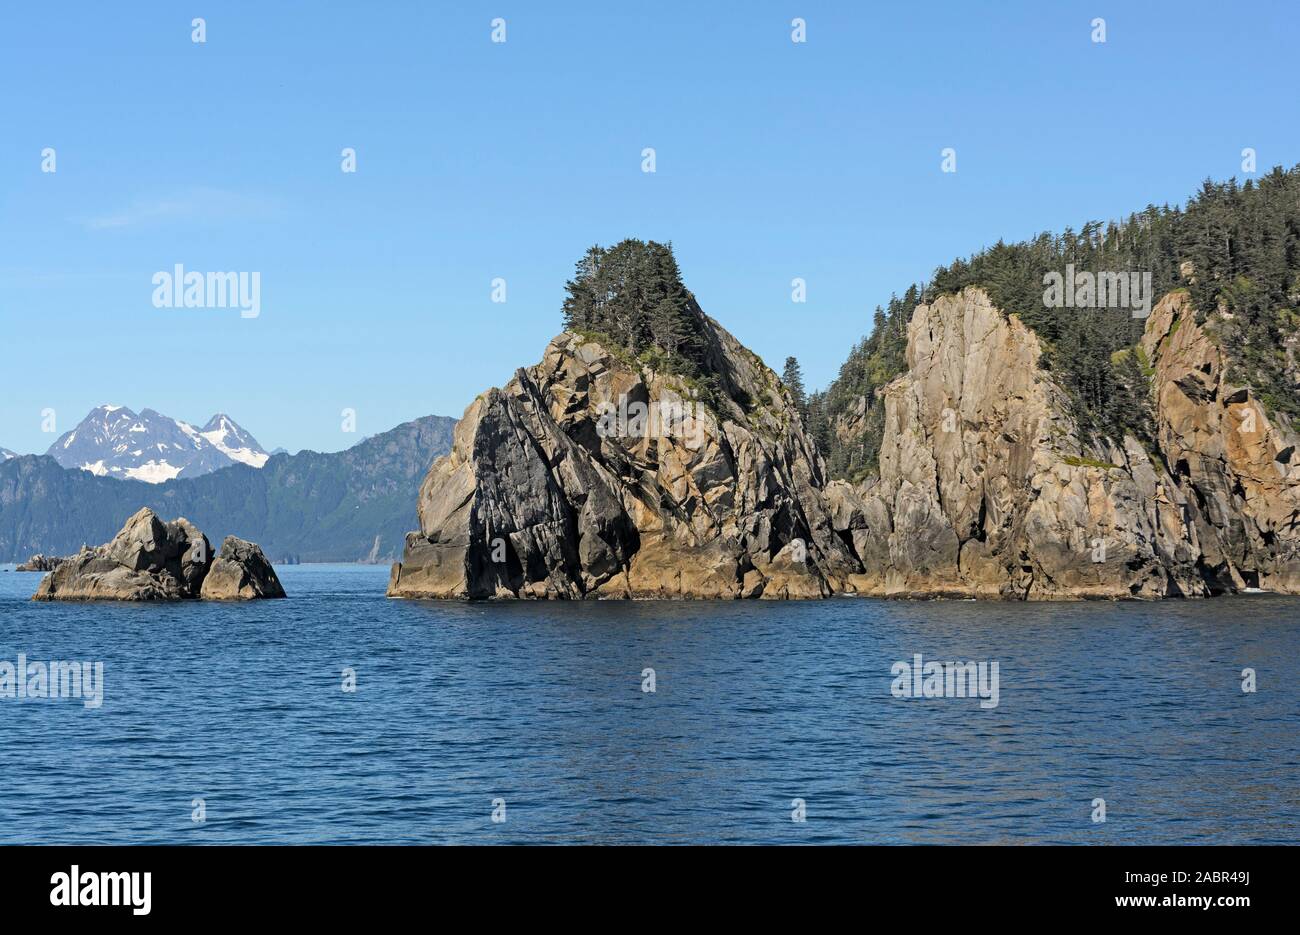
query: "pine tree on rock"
792, 377
632, 294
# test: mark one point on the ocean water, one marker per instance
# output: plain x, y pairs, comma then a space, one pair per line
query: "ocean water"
541, 706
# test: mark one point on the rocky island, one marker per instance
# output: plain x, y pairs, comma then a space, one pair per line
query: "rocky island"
152, 560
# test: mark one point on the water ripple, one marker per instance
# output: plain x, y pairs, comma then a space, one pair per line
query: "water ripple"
757, 705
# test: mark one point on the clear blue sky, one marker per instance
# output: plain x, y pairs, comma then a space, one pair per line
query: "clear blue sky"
477, 160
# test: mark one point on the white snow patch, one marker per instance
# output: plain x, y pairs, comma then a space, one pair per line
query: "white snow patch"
191, 431
217, 438
153, 472
247, 456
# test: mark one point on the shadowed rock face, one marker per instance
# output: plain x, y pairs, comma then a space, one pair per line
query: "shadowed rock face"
987, 487
149, 560
240, 573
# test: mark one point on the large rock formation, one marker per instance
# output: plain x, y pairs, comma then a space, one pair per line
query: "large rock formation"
593, 475
152, 560
986, 488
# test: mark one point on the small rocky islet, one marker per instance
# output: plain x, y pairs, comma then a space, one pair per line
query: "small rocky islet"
41, 562
153, 560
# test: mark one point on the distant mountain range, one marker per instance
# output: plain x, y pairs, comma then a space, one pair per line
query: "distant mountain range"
353, 505
113, 441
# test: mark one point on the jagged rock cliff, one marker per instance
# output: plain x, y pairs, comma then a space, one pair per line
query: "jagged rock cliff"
987, 487
593, 475
1236, 466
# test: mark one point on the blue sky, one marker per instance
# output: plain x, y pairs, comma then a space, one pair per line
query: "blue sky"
478, 160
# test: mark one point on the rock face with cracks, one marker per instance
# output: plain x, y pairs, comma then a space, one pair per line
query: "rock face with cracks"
240, 572
987, 489
1234, 466
591, 474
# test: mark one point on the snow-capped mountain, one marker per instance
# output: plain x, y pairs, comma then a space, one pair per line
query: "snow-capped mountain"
113, 441
6, 454
232, 441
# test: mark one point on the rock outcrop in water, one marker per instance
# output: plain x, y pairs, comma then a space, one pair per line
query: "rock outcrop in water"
987, 487
240, 572
150, 560
593, 475
41, 562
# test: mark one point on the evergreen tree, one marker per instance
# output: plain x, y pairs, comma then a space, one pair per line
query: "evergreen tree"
792, 377
818, 426
632, 294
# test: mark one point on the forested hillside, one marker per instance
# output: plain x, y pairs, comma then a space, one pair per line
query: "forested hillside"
1235, 247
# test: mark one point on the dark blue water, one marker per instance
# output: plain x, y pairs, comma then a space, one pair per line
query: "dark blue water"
542, 705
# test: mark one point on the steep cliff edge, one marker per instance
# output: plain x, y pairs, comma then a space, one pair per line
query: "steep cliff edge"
1235, 464
987, 488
